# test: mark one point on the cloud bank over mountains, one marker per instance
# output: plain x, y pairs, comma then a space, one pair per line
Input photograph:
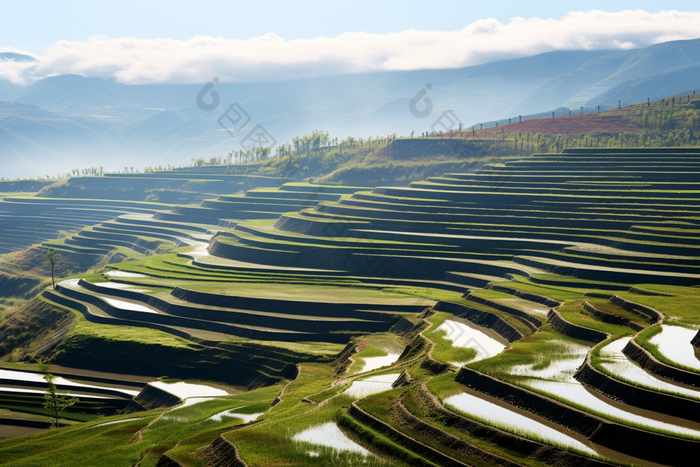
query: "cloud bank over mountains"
272, 58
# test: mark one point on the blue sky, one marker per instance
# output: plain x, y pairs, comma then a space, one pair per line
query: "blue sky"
142, 42
34, 25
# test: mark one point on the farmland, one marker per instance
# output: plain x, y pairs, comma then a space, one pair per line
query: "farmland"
534, 310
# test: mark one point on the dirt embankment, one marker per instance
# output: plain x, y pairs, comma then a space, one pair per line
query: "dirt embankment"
222, 453
20, 286
576, 124
610, 122
34, 326
151, 398
68, 263
167, 461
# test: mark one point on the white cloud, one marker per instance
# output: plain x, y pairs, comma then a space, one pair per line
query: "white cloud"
15, 72
271, 58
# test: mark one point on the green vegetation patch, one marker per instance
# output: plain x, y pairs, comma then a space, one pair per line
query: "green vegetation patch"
444, 350
539, 349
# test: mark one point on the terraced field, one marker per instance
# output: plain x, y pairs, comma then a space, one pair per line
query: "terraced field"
90, 233
30, 220
544, 311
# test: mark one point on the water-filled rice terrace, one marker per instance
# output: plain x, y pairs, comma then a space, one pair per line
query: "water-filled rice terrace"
543, 311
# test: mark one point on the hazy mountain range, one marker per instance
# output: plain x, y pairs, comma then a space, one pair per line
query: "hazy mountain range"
70, 121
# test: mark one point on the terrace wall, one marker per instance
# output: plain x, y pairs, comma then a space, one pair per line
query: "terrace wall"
167, 461
407, 419
382, 263
406, 441
75, 305
532, 449
618, 261
291, 306
481, 318
609, 318
152, 398
532, 322
216, 320
643, 358
647, 445
526, 295
653, 315
596, 274
637, 396
22, 186
561, 325
222, 453
101, 391
229, 363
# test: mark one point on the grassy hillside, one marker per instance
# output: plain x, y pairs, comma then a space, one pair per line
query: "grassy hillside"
673, 121
515, 313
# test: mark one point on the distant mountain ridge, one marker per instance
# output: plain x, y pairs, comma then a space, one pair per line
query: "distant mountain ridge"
101, 122
16, 57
